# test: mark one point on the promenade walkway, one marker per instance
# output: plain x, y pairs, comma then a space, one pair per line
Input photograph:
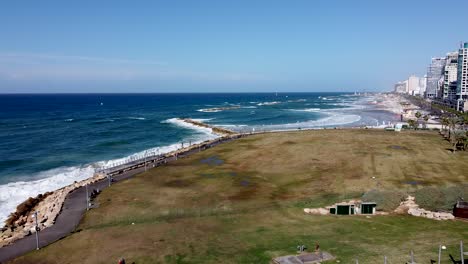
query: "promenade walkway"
74, 205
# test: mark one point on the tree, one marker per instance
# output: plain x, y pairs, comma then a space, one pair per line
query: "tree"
418, 115
459, 139
426, 118
452, 123
412, 123
444, 122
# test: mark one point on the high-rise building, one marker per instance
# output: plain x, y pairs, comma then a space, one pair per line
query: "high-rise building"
449, 88
401, 87
462, 85
435, 74
422, 86
413, 85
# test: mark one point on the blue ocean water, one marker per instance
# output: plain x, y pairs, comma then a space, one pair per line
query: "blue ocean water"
49, 141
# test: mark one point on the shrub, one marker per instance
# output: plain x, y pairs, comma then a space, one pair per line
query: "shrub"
440, 198
386, 200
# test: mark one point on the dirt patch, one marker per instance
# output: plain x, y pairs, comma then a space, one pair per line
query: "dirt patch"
212, 161
247, 191
398, 147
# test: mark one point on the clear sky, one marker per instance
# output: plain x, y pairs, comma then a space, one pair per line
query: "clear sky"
222, 46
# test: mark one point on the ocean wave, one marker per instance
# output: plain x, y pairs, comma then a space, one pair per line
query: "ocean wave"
269, 103
202, 119
306, 110
136, 118
102, 121
14, 193
68, 120
249, 107
181, 123
228, 125
218, 109
329, 121
297, 101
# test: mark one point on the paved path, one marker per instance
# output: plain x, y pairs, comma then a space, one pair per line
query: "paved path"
75, 206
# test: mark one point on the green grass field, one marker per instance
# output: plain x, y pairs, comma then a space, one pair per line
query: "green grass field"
242, 202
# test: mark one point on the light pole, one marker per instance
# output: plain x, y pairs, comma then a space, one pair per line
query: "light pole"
146, 152
87, 197
462, 254
37, 230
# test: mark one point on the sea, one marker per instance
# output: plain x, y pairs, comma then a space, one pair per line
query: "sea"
48, 141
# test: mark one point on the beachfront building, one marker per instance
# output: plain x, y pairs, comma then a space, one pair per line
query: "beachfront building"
422, 86
435, 77
462, 85
401, 87
413, 85
449, 88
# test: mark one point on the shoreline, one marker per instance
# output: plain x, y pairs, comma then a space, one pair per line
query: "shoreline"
52, 205
73, 205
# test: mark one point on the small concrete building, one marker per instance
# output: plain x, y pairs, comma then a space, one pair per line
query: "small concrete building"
351, 208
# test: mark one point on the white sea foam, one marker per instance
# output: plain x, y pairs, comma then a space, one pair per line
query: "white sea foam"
209, 110
268, 103
306, 110
229, 125
136, 118
202, 119
331, 120
14, 193
297, 101
249, 107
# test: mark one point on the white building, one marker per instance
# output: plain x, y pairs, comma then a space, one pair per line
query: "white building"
462, 86
401, 87
422, 85
435, 73
449, 90
413, 85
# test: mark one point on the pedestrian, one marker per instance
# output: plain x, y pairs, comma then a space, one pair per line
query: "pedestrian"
121, 261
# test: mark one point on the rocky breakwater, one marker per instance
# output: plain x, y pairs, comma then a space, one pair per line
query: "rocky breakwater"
215, 129
49, 205
410, 207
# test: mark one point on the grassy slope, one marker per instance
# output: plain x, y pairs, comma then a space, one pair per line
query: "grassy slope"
244, 204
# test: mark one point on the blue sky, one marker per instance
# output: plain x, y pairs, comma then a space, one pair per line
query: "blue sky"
222, 46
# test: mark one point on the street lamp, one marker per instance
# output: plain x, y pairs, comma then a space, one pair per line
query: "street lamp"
37, 230
87, 197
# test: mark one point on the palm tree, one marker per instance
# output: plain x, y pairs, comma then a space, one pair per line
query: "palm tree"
452, 122
444, 122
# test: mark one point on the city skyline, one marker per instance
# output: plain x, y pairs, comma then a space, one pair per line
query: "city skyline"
211, 47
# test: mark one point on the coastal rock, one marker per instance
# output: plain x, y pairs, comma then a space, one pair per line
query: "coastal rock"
412, 208
48, 209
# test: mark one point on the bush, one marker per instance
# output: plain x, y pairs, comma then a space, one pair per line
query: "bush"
386, 200
440, 198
